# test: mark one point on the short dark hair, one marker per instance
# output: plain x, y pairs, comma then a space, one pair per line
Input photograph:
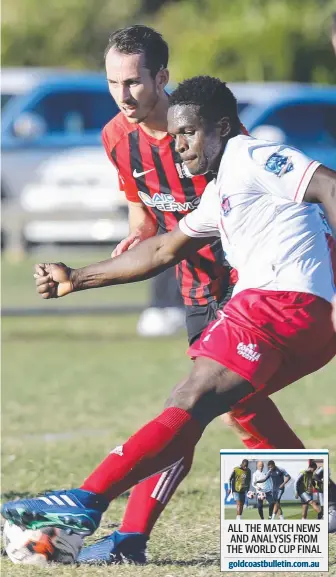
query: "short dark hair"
312, 465
214, 98
141, 39
244, 461
270, 463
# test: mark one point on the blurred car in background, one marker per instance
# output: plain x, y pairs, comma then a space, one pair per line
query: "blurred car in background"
82, 182
303, 116
45, 111
54, 164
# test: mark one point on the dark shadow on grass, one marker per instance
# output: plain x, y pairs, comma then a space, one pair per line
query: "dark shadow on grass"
14, 495
192, 492
192, 562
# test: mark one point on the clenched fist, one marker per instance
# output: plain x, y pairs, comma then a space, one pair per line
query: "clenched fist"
53, 280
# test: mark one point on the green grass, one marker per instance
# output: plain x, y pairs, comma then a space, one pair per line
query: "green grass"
290, 511
74, 387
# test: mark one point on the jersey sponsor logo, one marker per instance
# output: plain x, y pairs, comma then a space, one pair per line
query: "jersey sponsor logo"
225, 204
137, 174
167, 202
249, 352
279, 164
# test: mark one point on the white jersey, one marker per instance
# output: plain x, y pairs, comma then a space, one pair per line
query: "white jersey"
266, 486
274, 239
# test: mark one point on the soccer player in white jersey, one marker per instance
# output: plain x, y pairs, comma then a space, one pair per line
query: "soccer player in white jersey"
264, 490
277, 326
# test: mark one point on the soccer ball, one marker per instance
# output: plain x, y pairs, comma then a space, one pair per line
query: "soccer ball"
250, 494
261, 495
40, 547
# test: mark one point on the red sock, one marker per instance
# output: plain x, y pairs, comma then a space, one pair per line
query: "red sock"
263, 421
155, 447
149, 498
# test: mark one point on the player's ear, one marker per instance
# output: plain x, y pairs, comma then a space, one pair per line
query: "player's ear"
162, 78
224, 126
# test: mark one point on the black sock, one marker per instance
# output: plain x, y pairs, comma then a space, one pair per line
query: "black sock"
270, 509
260, 508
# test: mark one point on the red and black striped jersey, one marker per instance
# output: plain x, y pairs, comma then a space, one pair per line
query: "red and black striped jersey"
151, 171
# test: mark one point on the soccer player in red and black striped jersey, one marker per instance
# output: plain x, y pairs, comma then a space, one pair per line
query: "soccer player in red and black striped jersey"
158, 188
160, 192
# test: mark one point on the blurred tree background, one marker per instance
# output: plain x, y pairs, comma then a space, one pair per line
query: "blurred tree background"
243, 40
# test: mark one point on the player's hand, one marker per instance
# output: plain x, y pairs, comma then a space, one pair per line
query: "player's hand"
296, 496
52, 280
129, 242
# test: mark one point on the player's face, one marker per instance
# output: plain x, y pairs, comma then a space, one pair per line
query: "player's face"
260, 466
131, 84
271, 467
199, 144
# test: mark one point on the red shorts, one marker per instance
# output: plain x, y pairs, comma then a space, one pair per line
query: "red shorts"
270, 338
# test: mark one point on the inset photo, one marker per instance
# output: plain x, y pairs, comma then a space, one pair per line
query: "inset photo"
272, 510
273, 486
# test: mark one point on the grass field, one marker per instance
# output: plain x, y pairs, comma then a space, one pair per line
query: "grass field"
73, 388
290, 511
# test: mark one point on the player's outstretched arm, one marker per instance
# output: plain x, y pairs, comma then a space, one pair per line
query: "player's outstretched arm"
322, 189
146, 260
267, 476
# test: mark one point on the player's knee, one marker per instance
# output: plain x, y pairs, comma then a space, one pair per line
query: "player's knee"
185, 395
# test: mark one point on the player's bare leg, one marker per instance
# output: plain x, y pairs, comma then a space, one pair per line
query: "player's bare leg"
239, 508
277, 510
229, 421
259, 425
316, 507
304, 510
270, 510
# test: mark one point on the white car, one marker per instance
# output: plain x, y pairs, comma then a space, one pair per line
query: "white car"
75, 198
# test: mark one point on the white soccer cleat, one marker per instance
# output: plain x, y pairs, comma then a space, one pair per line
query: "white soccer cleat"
156, 322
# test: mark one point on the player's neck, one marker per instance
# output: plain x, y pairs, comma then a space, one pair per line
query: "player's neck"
156, 122
216, 165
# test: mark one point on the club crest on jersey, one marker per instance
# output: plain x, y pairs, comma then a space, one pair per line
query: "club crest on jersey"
167, 202
279, 164
225, 204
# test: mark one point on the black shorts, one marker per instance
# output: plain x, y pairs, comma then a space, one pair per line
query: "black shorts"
198, 317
